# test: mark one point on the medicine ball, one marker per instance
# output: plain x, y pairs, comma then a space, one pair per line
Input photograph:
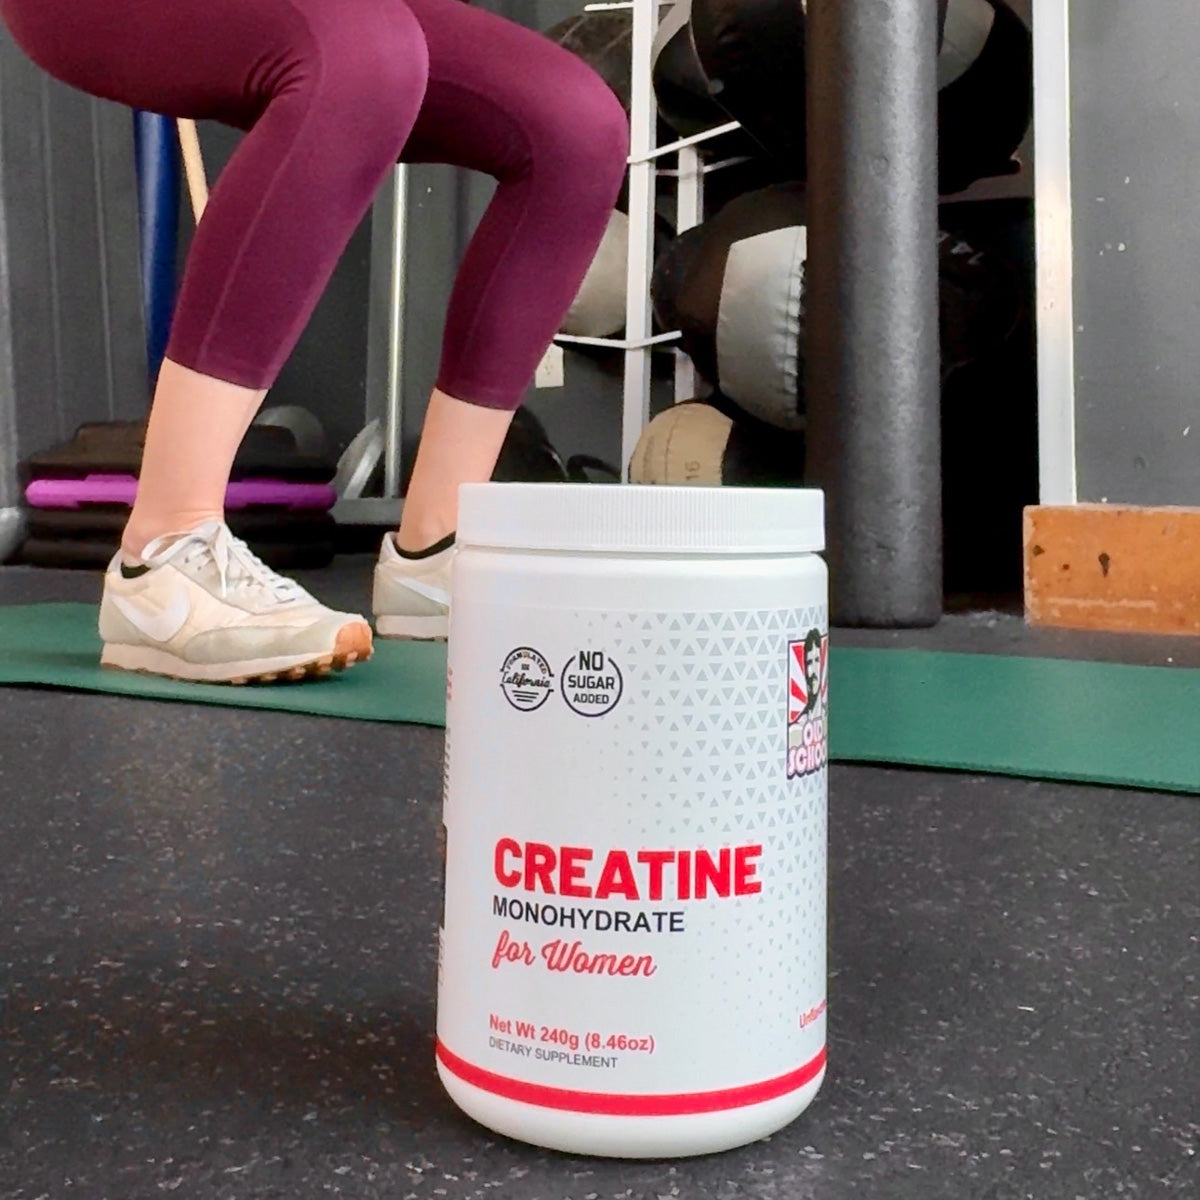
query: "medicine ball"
981, 299
752, 53
734, 287
599, 308
682, 89
965, 28
694, 443
738, 177
689, 275
985, 97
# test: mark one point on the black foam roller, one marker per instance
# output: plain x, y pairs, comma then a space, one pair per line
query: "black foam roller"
873, 385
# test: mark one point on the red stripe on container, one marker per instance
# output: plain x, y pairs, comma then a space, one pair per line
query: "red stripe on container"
614, 1104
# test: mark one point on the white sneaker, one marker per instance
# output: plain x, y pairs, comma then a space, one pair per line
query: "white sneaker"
412, 595
204, 608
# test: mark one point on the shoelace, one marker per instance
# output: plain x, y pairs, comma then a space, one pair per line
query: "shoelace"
237, 565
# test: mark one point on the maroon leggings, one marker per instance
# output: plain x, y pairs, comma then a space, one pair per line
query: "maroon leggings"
332, 94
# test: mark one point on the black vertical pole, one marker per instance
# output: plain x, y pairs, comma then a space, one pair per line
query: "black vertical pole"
872, 320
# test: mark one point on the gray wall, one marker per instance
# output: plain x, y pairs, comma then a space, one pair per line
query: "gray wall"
1135, 145
72, 340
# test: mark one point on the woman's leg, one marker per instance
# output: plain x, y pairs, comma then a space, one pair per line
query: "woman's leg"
329, 93
196, 425
460, 443
506, 101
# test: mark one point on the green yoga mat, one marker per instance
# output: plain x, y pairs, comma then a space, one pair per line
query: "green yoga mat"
57, 645
1036, 717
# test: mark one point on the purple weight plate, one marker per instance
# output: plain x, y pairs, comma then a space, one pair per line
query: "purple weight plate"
121, 489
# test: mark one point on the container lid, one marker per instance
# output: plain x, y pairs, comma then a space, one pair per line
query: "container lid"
633, 519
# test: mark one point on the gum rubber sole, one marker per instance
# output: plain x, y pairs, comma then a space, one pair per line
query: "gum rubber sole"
413, 629
353, 645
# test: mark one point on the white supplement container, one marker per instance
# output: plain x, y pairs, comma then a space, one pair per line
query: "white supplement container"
632, 956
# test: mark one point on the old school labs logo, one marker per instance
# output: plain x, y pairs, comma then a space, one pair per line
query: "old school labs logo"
808, 694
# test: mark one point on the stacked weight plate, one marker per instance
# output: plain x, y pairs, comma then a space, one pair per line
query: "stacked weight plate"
79, 494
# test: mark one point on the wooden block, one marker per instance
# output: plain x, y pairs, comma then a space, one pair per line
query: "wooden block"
1112, 567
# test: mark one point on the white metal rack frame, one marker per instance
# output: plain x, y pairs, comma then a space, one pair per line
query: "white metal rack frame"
646, 164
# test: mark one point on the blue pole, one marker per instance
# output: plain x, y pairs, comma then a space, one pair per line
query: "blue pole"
158, 170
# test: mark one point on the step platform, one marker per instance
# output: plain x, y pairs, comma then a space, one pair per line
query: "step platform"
97, 489
88, 538
115, 448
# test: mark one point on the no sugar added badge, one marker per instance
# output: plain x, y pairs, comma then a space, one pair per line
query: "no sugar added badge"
591, 683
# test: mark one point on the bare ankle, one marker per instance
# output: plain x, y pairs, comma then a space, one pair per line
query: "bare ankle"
415, 536
135, 540
141, 531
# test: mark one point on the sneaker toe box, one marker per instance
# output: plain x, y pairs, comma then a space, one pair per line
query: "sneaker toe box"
342, 635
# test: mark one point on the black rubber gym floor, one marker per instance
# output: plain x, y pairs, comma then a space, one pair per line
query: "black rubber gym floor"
216, 970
